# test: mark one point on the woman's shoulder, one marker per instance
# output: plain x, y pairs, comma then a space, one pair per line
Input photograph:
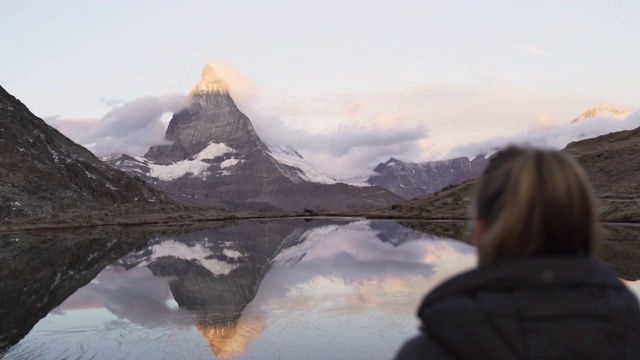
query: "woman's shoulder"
478, 314
527, 273
422, 347
538, 287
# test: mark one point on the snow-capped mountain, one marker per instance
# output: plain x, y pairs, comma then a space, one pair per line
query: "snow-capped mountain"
602, 109
215, 158
288, 156
411, 180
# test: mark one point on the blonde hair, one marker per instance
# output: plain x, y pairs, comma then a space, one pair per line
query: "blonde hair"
534, 202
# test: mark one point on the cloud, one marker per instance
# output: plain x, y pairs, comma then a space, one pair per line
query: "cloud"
532, 50
136, 295
345, 135
241, 88
358, 163
342, 140
131, 127
350, 149
556, 137
543, 123
524, 48
363, 271
107, 101
363, 297
72, 128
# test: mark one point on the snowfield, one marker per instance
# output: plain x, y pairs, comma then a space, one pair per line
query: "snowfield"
194, 167
290, 157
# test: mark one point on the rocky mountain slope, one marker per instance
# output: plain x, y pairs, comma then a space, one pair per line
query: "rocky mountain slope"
611, 162
42, 172
411, 180
217, 159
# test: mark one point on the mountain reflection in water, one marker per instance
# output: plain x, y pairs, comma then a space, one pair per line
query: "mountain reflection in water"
283, 289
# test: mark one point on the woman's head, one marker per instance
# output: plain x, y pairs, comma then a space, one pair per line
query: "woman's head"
533, 202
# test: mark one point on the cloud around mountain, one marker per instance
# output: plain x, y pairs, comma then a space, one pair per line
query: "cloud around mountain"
345, 135
130, 127
550, 135
349, 149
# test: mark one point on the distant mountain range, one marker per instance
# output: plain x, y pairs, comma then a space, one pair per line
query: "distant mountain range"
610, 161
42, 172
213, 158
411, 180
217, 159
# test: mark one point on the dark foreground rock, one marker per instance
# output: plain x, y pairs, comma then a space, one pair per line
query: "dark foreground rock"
42, 172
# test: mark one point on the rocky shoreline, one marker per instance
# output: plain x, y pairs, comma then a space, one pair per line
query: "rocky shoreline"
124, 216
620, 245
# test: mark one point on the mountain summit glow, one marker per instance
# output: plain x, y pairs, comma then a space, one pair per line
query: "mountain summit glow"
210, 83
610, 110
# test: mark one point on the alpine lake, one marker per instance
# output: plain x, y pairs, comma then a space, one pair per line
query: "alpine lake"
317, 288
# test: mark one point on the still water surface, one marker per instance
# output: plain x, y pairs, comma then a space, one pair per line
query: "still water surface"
289, 289
280, 290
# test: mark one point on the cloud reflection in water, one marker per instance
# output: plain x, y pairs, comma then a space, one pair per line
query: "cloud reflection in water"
352, 285
349, 280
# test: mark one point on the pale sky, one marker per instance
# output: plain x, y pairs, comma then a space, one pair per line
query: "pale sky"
418, 78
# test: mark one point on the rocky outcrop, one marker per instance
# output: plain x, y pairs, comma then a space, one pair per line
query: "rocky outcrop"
217, 159
43, 172
411, 180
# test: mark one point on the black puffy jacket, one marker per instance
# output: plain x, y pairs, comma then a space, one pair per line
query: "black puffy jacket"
540, 308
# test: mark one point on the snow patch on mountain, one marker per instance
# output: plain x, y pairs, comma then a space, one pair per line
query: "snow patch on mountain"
177, 170
229, 162
213, 150
197, 253
290, 157
234, 254
194, 166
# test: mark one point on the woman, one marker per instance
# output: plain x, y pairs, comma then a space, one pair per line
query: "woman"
537, 292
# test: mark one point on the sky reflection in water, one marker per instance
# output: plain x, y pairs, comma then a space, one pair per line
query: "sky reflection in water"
340, 291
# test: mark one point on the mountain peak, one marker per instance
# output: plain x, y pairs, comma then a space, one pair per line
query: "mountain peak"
601, 108
210, 83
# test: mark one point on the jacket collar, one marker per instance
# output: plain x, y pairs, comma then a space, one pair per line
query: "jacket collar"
514, 274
